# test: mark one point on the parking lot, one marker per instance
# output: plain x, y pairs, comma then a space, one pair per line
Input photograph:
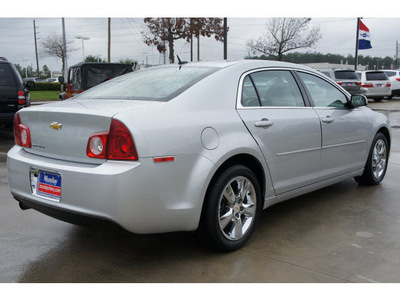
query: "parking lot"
342, 233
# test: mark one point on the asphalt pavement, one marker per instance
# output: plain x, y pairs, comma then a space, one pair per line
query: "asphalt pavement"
340, 234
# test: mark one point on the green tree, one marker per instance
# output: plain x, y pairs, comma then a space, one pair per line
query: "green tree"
94, 58
46, 72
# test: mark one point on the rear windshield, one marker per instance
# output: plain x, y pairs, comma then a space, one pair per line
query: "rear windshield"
160, 84
349, 75
390, 73
376, 76
6, 76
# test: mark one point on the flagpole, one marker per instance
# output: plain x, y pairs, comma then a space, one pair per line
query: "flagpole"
358, 33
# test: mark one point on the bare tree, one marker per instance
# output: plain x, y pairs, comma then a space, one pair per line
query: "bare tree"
285, 34
53, 45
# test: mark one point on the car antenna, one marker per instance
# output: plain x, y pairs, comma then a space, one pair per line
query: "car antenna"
181, 62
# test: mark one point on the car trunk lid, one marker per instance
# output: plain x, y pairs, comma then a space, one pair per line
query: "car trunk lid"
62, 130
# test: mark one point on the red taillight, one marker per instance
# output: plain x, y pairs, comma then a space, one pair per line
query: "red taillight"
367, 85
339, 82
389, 85
116, 144
22, 133
398, 79
358, 83
21, 97
120, 143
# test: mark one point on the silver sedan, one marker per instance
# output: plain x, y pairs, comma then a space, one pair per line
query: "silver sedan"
195, 147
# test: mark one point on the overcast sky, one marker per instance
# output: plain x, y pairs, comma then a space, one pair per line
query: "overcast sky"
338, 28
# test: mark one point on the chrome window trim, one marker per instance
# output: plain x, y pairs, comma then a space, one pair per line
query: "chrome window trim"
240, 88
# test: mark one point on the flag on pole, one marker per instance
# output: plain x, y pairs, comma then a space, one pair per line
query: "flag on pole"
364, 41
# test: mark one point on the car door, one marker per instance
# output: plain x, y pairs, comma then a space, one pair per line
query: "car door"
286, 130
344, 129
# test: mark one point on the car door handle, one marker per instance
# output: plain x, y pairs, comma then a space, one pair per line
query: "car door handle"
263, 123
327, 119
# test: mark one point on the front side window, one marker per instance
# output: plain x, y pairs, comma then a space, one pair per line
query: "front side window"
271, 88
323, 93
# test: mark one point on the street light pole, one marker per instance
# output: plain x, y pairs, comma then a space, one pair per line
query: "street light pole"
79, 37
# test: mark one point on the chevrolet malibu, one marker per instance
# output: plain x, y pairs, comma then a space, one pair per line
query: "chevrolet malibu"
194, 147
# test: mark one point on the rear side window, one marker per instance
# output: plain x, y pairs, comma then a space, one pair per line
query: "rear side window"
156, 84
76, 79
271, 88
346, 75
6, 76
376, 76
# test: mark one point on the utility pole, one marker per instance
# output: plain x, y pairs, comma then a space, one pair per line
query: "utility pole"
109, 40
36, 52
65, 65
358, 33
397, 54
191, 47
225, 38
198, 48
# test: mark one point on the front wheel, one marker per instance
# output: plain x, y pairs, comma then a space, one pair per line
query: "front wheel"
231, 208
375, 168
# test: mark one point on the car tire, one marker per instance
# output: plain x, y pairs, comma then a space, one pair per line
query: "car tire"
377, 162
231, 209
377, 99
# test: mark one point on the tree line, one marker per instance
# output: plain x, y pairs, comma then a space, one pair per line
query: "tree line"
316, 57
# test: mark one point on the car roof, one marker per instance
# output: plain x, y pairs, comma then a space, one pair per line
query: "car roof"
246, 64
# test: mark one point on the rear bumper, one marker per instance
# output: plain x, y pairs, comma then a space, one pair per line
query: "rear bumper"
141, 197
376, 93
67, 215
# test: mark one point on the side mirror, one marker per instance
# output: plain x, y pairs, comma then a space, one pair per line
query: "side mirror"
358, 100
61, 79
30, 84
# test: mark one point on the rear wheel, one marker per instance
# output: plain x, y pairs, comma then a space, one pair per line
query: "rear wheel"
375, 168
231, 209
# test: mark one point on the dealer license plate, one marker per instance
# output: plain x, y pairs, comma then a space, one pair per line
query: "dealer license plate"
46, 184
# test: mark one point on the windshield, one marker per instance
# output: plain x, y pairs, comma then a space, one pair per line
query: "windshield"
160, 84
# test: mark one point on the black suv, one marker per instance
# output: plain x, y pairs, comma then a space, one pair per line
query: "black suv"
13, 92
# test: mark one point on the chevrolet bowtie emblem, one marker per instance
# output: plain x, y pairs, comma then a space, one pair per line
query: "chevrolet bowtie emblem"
55, 126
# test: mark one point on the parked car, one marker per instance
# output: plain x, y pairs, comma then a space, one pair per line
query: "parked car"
347, 79
13, 92
199, 146
83, 76
375, 84
394, 77
52, 80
